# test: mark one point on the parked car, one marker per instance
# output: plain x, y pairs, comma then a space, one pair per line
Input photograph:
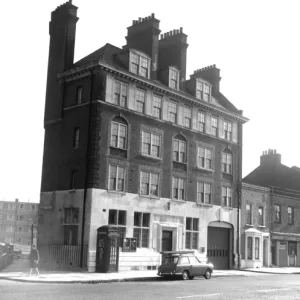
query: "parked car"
184, 264
15, 250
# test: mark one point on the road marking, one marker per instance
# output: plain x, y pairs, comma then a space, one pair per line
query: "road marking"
205, 295
272, 290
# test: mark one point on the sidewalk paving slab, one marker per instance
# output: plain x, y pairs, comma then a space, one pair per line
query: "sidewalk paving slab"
18, 271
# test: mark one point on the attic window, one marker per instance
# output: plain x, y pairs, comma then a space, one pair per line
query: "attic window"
173, 78
139, 64
203, 91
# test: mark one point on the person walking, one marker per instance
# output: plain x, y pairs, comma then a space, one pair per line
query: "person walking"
34, 258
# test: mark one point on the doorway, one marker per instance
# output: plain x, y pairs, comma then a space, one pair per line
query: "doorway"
167, 240
265, 252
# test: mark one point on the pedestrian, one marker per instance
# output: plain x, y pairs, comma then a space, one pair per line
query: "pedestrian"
34, 258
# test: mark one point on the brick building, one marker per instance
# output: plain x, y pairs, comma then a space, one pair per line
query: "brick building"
255, 231
16, 219
284, 206
130, 142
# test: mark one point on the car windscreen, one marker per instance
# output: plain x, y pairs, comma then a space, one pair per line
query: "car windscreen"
170, 260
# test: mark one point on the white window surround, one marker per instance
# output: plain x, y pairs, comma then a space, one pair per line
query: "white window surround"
253, 233
179, 151
155, 139
151, 186
178, 188
120, 93
227, 196
204, 191
120, 175
251, 217
203, 161
121, 136
173, 78
203, 90
139, 63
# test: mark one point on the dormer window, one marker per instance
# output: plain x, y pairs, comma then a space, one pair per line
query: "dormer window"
173, 78
139, 64
203, 90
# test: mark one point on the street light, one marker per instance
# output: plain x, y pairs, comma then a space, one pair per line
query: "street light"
31, 223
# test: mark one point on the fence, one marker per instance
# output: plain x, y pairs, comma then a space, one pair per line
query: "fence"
5, 260
60, 256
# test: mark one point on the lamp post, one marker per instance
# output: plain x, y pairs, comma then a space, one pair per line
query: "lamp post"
31, 223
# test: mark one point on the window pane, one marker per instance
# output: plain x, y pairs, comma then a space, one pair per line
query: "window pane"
137, 219
122, 217
112, 218
188, 225
146, 220
195, 224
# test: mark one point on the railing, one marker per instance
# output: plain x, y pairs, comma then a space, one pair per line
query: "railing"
60, 256
5, 260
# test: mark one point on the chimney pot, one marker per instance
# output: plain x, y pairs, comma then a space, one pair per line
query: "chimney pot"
140, 20
153, 15
174, 32
181, 29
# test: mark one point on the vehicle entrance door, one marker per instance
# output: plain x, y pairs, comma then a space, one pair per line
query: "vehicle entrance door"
167, 240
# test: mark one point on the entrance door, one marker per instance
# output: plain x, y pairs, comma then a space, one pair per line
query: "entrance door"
266, 254
218, 247
274, 250
167, 240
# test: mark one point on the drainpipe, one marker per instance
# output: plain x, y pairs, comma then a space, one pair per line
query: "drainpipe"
86, 170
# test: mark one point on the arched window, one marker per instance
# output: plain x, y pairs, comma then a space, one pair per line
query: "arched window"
179, 149
118, 138
227, 161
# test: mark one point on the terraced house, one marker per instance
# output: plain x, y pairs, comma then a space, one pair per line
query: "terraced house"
130, 142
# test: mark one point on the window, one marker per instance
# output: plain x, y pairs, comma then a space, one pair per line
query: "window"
277, 213
71, 216
178, 188
227, 130
76, 138
21, 207
140, 101
20, 229
9, 228
214, 126
199, 89
201, 121
206, 92
203, 192
151, 144
71, 220
204, 158
172, 113
290, 215
120, 93
21, 218
118, 135
191, 233
5, 205
174, 79
139, 64
248, 214
32, 207
11, 206
19, 240
256, 248
261, 216
9, 240
249, 247
149, 183
187, 117
179, 151
118, 218
227, 163
227, 196
79, 95
141, 229
10, 217
73, 179
156, 111
116, 178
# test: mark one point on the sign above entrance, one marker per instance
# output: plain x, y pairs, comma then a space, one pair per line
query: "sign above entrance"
285, 237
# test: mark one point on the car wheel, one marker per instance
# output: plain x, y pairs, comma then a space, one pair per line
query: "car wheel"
191, 277
207, 274
185, 275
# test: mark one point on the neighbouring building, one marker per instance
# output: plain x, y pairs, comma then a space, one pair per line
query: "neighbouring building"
130, 142
283, 184
16, 220
255, 231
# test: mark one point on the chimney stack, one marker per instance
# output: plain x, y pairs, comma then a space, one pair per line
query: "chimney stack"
143, 35
172, 51
62, 29
270, 158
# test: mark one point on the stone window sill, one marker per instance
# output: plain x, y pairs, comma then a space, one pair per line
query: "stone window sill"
204, 169
149, 196
205, 204
116, 192
227, 208
151, 157
261, 226
249, 225
179, 200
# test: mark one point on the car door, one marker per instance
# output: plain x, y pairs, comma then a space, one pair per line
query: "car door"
184, 264
197, 269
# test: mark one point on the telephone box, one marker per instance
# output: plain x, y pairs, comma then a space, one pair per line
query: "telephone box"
107, 252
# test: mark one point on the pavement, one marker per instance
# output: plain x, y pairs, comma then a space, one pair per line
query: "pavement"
19, 269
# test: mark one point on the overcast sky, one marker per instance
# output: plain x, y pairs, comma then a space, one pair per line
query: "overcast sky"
254, 43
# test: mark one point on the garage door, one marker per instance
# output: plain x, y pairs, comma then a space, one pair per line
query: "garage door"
218, 247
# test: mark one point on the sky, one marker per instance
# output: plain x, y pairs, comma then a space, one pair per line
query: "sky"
255, 43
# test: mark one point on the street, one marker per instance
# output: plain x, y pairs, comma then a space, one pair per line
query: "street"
258, 286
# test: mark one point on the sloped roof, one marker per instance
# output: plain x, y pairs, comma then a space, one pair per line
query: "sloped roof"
104, 53
276, 175
224, 102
